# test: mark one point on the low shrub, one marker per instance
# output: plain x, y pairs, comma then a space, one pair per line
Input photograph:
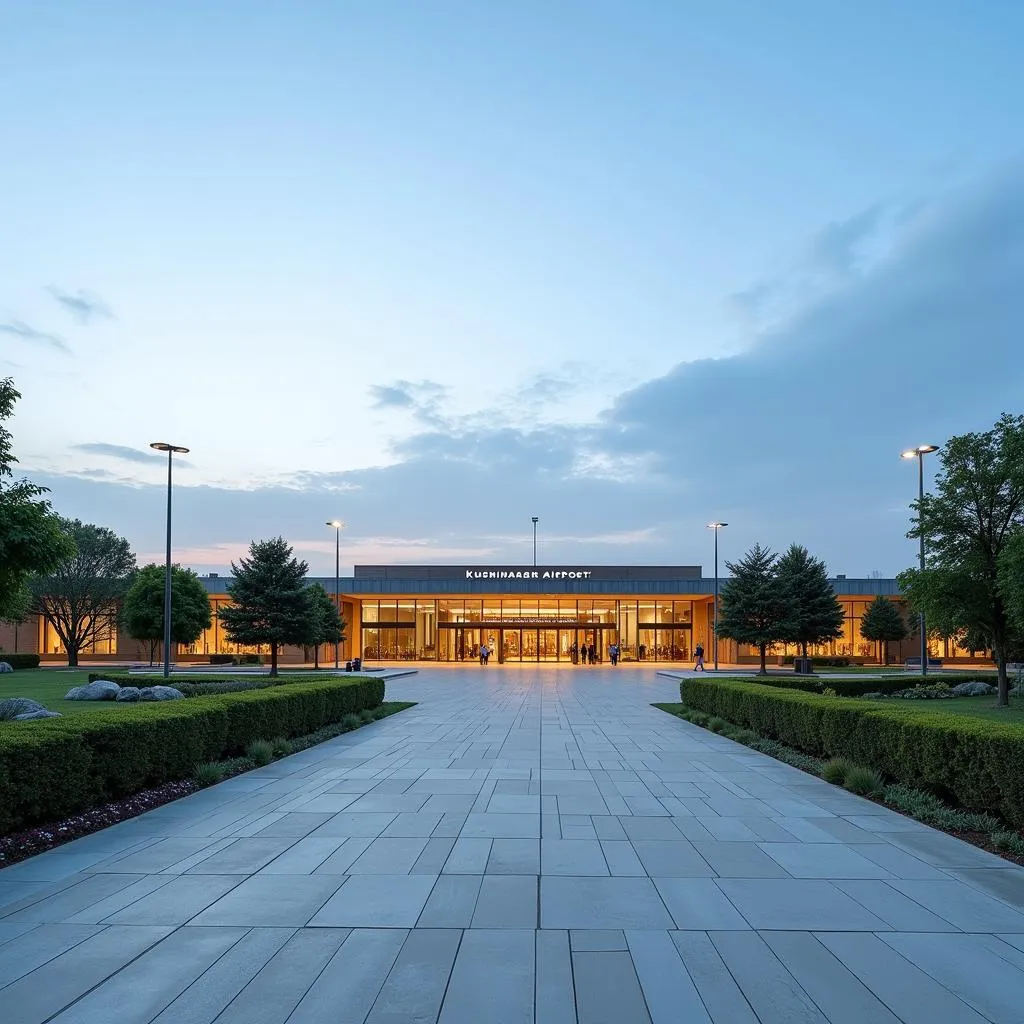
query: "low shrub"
209, 773
222, 659
55, 767
1009, 842
366, 716
206, 686
835, 770
926, 691
864, 781
820, 662
979, 763
19, 661
282, 747
717, 724
260, 752
351, 722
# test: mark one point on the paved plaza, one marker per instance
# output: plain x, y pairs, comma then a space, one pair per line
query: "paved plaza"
524, 845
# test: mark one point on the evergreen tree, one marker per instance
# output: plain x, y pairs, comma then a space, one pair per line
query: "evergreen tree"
752, 605
79, 598
882, 623
269, 603
142, 613
325, 621
813, 613
970, 524
32, 540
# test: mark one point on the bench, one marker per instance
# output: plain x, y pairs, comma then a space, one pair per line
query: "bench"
916, 663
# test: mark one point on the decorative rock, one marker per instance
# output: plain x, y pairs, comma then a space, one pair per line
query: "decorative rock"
12, 707
5, 666
973, 689
100, 689
128, 694
160, 693
31, 716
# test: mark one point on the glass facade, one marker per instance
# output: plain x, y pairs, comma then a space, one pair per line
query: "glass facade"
50, 643
525, 629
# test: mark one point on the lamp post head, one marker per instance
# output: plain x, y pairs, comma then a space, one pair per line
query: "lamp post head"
163, 446
534, 520
337, 524
716, 526
919, 451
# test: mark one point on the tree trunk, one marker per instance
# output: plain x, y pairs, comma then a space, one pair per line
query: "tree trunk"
763, 648
72, 650
803, 647
316, 656
273, 658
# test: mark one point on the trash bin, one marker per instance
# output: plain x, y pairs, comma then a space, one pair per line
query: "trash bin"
802, 667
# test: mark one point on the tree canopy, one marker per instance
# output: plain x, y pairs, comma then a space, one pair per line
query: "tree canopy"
326, 626
972, 524
882, 623
142, 613
79, 597
813, 613
752, 604
269, 603
31, 538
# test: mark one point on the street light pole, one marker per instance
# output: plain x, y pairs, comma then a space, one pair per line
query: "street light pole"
919, 453
716, 526
337, 524
163, 446
535, 520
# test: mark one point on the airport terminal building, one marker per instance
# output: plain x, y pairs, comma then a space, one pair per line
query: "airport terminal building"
542, 613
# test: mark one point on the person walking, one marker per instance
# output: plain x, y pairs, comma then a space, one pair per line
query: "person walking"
591, 651
698, 652
483, 654
613, 653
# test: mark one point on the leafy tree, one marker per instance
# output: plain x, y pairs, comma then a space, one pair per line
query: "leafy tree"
79, 597
883, 623
1011, 585
326, 626
752, 607
31, 539
813, 612
142, 613
269, 604
971, 524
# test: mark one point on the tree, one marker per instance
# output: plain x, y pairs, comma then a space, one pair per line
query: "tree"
752, 605
142, 613
31, 539
813, 612
269, 604
326, 626
882, 623
79, 597
970, 525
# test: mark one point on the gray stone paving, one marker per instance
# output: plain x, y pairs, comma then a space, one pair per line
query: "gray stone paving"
525, 845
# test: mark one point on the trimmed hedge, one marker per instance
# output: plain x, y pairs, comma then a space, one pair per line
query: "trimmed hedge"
850, 687
823, 662
980, 764
205, 686
17, 661
52, 768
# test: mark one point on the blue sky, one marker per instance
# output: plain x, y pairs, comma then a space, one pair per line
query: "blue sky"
436, 268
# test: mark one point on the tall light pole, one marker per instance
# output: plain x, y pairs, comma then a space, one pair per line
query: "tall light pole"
535, 520
919, 453
338, 527
716, 526
171, 449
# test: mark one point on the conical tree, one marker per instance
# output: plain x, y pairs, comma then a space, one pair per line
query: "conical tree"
813, 613
752, 604
882, 623
326, 624
269, 600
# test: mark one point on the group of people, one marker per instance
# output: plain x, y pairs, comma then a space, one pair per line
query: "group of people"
587, 654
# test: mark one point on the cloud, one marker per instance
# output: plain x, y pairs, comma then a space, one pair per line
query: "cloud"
83, 306
421, 398
22, 330
795, 438
126, 454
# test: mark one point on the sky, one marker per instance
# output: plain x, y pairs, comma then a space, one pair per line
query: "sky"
436, 268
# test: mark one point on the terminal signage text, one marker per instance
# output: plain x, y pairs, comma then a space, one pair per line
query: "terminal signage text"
528, 574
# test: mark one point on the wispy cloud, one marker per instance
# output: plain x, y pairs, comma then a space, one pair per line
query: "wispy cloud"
422, 398
124, 453
22, 330
83, 306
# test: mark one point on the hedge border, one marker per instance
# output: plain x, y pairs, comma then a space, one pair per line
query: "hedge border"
54, 767
206, 686
979, 763
20, 661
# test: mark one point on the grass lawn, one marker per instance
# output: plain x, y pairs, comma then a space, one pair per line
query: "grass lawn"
48, 686
972, 707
